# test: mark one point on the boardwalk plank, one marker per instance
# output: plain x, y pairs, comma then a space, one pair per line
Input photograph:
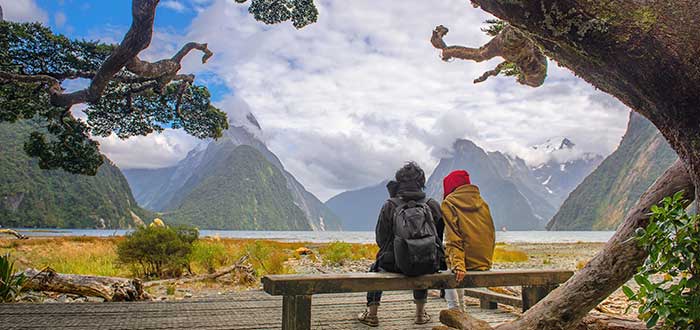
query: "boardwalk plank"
238, 311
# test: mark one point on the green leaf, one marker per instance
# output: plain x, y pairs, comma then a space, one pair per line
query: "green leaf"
652, 320
628, 292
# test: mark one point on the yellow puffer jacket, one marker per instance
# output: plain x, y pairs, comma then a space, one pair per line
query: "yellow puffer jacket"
470, 234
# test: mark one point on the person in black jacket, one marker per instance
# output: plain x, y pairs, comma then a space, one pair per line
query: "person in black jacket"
409, 185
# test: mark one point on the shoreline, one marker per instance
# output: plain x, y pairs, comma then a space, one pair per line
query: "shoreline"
355, 237
97, 256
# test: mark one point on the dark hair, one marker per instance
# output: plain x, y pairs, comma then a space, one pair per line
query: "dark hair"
411, 172
393, 188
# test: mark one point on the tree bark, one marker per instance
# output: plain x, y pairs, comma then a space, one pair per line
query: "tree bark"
609, 322
109, 288
564, 307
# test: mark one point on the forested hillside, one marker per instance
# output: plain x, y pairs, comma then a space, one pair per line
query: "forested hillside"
242, 191
32, 197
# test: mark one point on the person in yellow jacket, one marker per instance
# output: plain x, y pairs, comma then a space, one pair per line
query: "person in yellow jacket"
470, 235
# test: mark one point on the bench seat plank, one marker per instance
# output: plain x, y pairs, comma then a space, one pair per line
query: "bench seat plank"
301, 285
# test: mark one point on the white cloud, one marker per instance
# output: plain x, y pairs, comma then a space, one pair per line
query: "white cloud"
174, 5
23, 11
347, 100
60, 19
153, 151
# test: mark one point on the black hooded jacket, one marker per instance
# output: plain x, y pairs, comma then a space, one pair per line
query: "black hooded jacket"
385, 225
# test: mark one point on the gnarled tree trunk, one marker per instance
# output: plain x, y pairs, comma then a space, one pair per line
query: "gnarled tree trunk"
646, 54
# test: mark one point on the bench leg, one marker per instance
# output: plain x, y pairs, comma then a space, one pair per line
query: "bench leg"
484, 303
296, 313
533, 294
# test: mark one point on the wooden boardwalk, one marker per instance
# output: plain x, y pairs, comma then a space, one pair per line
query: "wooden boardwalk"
245, 310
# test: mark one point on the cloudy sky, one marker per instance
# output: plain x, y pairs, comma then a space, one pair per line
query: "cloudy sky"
345, 101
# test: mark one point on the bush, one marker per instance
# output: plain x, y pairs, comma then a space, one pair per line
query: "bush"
267, 258
336, 253
209, 255
157, 251
673, 241
10, 284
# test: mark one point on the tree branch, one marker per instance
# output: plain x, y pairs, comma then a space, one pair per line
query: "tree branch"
189, 47
511, 44
136, 39
53, 83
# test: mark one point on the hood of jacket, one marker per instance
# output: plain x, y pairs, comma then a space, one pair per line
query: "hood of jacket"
410, 191
466, 197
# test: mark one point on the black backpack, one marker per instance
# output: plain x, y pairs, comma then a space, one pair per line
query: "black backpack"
415, 238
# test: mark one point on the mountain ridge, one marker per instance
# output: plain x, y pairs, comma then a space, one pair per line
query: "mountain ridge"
601, 201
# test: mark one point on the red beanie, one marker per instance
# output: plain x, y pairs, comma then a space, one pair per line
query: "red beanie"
454, 180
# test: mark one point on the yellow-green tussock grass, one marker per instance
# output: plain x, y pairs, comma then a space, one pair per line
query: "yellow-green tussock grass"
504, 253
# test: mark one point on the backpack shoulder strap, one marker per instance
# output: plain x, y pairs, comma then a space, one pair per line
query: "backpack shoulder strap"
396, 201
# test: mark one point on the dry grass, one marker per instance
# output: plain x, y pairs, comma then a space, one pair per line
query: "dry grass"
503, 253
75, 255
97, 256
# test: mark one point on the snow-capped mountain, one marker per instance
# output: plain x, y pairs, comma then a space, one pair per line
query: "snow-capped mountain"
565, 168
521, 196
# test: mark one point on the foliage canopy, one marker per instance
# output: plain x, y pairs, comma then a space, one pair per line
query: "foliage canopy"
126, 96
130, 105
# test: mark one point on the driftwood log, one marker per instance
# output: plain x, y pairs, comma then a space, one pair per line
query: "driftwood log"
462, 321
108, 288
12, 232
117, 288
242, 266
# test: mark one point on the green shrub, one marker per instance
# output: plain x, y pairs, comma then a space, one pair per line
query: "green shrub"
673, 241
156, 251
10, 284
267, 259
209, 255
336, 253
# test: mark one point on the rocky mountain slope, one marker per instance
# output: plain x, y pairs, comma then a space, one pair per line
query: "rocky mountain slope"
519, 196
177, 190
32, 197
359, 209
510, 207
561, 174
601, 201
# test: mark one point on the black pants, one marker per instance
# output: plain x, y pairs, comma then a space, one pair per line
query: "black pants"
375, 297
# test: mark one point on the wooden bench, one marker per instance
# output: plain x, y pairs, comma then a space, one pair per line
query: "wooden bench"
298, 289
490, 300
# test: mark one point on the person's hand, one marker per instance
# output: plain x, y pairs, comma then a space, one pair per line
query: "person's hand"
459, 275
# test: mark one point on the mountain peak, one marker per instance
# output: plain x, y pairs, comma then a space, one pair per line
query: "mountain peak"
554, 144
566, 144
